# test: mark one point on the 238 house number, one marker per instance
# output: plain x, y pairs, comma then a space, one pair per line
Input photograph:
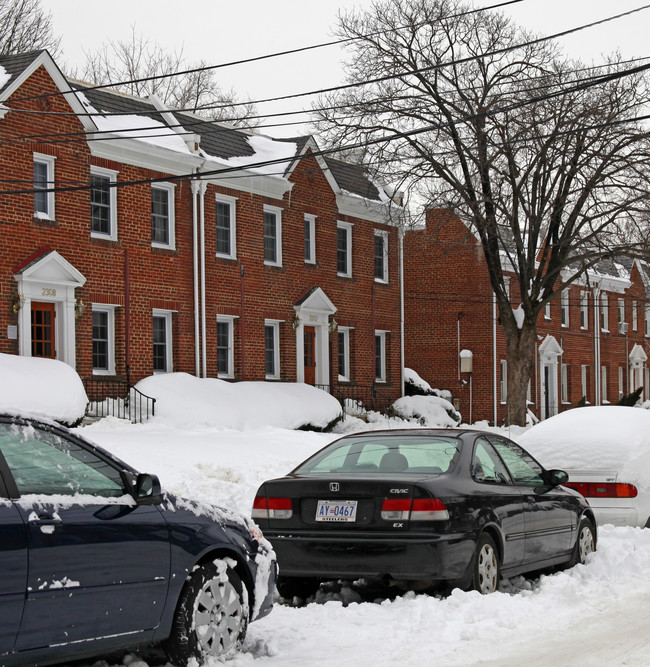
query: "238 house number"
48, 291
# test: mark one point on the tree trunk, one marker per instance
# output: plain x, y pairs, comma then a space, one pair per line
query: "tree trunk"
520, 358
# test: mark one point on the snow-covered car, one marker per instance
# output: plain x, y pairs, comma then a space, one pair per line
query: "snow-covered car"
421, 507
94, 557
606, 452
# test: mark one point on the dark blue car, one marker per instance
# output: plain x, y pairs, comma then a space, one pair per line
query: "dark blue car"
93, 557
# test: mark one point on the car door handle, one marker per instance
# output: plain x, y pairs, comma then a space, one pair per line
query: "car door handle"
45, 519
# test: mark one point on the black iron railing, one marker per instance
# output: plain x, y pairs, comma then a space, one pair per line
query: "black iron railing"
117, 398
356, 397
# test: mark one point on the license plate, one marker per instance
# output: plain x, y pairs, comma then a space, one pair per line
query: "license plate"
336, 510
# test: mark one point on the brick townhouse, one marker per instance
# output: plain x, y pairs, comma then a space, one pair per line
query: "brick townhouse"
149, 240
593, 341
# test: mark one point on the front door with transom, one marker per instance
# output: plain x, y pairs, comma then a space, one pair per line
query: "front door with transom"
43, 330
310, 354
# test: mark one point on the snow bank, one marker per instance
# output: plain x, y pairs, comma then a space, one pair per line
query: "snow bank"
431, 411
184, 400
41, 387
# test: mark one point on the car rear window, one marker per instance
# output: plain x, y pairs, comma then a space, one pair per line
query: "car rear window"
382, 454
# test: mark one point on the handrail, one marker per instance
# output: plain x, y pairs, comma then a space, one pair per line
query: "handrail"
117, 398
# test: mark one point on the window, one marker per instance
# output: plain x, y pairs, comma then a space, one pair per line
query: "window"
162, 215
272, 348
103, 340
584, 381
487, 467
344, 354
635, 317
162, 341
621, 382
381, 256
564, 383
547, 311
604, 312
272, 236
603, 384
523, 469
103, 201
504, 381
310, 239
584, 310
225, 346
43, 179
380, 356
344, 249
225, 227
564, 301
647, 321
621, 313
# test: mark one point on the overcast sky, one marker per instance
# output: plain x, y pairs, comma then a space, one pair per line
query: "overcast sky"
216, 31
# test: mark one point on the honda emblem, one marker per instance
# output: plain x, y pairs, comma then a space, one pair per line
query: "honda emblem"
334, 486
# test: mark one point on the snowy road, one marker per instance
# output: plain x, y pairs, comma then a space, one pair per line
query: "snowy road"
592, 615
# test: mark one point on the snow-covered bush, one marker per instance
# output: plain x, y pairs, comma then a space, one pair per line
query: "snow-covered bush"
431, 411
414, 385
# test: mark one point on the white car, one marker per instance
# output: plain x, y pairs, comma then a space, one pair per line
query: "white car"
606, 451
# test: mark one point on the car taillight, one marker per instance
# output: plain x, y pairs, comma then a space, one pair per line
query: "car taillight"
604, 489
272, 508
420, 509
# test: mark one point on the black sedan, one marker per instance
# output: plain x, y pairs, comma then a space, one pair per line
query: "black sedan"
421, 507
95, 558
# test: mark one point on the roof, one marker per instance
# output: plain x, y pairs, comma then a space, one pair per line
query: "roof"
16, 64
353, 178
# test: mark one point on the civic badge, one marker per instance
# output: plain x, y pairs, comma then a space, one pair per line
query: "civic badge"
334, 486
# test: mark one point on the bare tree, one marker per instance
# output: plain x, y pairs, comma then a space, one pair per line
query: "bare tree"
24, 27
545, 167
127, 63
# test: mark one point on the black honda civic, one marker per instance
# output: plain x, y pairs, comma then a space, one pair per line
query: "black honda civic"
421, 507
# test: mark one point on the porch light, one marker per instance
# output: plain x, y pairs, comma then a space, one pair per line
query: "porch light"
332, 325
79, 308
296, 321
17, 302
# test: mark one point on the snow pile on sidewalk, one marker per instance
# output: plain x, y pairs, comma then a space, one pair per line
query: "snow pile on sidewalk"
185, 400
41, 387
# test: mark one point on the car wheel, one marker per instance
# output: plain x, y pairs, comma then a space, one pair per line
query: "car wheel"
585, 543
486, 566
301, 587
211, 616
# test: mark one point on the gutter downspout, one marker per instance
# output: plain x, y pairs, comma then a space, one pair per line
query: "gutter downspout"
400, 233
202, 189
195, 266
494, 355
597, 345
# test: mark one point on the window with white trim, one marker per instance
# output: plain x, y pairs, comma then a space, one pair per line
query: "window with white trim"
564, 303
226, 346
621, 381
43, 180
103, 339
647, 321
503, 385
162, 215
344, 249
343, 335
603, 384
621, 312
604, 312
381, 256
162, 341
310, 239
272, 349
584, 309
380, 356
547, 311
103, 203
584, 381
272, 236
564, 383
225, 226
635, 316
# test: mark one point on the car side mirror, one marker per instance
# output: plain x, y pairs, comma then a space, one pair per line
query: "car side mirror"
557, 477
147, 490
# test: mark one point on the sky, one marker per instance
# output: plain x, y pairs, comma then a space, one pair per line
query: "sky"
219, 32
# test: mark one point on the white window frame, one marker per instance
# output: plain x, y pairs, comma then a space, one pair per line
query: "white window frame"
584, 309
603, 385
621, 311
169, 342
49, 162
583, 381
230, 321
380, 373
503, 382
347, 227
310, 224
232, 203
621, 381
635, 316
111, 174
278, 235
171, 221
604, 312
647, 321
275, 325
564, 383
383, 234
110, 312
564, 305
345, 332
547, 311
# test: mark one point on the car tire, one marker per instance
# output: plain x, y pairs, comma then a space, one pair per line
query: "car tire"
300, 587
486, 570
211, 616
585, 543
